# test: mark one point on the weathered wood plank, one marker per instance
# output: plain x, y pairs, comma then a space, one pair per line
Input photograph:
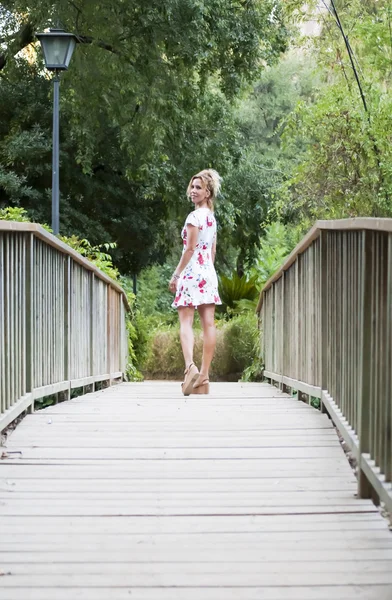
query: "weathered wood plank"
126, 540
181, 423
197, 524
205, 593
382, 592
163, 511
153, 469
190, 499
200, 568
154, 579
208, 554
123, 441
161, 453
170, 545
65, 486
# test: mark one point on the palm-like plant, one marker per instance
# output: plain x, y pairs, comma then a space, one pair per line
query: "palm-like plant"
234, 288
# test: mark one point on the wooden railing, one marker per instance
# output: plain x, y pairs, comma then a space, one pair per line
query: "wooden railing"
62, 321
326, 319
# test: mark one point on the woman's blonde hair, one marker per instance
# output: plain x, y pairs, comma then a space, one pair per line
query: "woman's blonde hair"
212, 181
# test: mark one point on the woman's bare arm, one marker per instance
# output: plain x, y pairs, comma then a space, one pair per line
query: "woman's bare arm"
191, 242
213, 250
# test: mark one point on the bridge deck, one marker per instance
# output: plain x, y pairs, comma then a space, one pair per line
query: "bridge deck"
136, 492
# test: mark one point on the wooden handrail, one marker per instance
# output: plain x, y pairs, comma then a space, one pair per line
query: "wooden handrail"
354, 224
326, 318
62, 320
54, 241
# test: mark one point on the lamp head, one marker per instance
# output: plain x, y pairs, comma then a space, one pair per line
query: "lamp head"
58, 47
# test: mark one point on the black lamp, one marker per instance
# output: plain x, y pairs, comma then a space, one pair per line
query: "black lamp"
58, 47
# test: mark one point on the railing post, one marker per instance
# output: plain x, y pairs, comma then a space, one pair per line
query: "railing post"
364, 488
30, 316
323, 307
67, 324
120, 344
91, 387
108, 333
388, 416
281, 342
7, 322
2, 323
92, 278
296, 316
262, 327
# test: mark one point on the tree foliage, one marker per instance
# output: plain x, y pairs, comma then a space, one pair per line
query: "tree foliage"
256, 183
147, 101
346, 165
276, 244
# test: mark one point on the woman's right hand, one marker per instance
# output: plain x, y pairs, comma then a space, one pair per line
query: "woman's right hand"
173, 284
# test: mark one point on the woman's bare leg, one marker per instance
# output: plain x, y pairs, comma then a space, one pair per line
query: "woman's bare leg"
207, 314
186, 314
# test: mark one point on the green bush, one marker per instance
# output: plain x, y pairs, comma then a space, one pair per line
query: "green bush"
10, 213
236, 350
165, 359
153, 295
240, 336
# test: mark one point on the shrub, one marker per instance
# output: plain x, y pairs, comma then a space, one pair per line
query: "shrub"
237, 348
95, 254
153, 295
240, 336
11, 213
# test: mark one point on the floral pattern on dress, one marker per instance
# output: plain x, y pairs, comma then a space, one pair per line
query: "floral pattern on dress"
198, 283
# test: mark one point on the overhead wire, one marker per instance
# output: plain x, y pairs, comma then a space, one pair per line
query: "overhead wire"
334, 13
326, 24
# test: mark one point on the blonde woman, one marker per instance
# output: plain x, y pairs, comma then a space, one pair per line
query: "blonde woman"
194, 281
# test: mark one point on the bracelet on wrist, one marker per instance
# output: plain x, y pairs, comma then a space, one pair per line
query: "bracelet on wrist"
175, 276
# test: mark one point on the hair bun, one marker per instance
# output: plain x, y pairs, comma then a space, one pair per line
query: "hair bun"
216, 180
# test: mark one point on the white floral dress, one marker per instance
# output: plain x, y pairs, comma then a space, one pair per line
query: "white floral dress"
198, 283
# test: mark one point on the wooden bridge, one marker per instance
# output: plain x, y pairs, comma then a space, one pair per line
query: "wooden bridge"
134, 491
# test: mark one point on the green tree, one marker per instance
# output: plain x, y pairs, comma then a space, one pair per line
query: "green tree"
346, 165
147, 64
146, 102
101, 205
261, 165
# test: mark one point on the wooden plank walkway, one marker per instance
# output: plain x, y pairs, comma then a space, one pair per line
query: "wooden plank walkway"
136, 492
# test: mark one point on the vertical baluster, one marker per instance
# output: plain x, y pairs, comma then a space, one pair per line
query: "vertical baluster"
2, 324
388, 381
364, 374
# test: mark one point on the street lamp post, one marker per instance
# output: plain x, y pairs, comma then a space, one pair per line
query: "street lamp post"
58, 47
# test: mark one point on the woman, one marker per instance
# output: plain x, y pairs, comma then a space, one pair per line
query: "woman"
194, 281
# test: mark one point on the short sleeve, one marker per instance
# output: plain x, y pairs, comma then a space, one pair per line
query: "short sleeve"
192, 220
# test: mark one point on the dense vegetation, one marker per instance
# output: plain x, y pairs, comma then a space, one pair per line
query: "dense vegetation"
298, 127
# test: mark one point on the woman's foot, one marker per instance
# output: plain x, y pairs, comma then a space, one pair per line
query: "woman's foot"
201, 385
190, 375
